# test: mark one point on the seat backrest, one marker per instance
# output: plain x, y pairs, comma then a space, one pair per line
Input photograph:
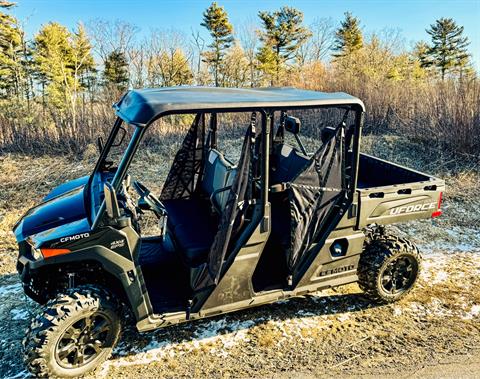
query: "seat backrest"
286, 164
218, 174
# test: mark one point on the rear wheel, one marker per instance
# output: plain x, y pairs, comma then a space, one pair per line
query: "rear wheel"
388, 269
73, 334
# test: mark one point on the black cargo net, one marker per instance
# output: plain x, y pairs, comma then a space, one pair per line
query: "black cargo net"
208, 273
313, 195
187, 165
305, 201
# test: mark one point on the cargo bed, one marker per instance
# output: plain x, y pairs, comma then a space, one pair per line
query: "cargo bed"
389, 193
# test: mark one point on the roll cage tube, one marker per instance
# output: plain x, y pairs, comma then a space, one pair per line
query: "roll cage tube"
101, 159
122, 168
106, 148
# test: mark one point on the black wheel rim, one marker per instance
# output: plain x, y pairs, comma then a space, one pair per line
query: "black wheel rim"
84, 340
399, 274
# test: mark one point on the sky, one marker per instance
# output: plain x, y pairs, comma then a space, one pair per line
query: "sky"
411, 17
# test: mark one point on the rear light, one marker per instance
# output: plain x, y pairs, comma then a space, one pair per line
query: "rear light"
48, 253
438, 212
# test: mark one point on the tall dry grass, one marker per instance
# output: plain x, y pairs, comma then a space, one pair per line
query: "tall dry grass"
442, 114
445, 114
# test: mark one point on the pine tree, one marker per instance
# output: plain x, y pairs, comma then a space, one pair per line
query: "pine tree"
170, 68
11, 54
348, 38
215, 19
54, 62
83, 62
284, 34
267, 63
83, 67
449, 46
116, 71
421, 52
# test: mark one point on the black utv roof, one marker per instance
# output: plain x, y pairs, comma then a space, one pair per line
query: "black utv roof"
140, 107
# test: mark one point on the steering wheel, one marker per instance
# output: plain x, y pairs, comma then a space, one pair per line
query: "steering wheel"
148, 200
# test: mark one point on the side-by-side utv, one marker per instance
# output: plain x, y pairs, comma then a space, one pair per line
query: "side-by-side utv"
282, 220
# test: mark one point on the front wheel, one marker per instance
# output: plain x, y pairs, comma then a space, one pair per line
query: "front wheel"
388, 269
73, 334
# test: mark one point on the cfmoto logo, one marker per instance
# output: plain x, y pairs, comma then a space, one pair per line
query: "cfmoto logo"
76, 237
412, 208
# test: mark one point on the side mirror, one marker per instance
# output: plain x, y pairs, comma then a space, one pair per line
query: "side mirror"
111, 202
292, 124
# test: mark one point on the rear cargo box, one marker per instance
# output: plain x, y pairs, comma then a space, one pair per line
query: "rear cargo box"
390, 193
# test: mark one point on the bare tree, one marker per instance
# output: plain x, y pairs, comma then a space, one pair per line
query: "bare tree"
323, 37
392, 40
167, 63
111, 36
198, 44
138, 57
249, 40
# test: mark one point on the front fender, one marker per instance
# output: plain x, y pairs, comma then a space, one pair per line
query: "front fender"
123, 269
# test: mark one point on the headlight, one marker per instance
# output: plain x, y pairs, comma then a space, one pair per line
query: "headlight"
36, 253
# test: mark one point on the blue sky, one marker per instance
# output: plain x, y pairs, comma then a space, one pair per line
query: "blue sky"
412, 17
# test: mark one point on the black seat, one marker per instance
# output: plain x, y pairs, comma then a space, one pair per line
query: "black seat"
193, 226
286, 164
194, 222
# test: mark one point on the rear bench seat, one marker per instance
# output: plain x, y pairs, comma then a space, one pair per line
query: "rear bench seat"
286, 164
194, 222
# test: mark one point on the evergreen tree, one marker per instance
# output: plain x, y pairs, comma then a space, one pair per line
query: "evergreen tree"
11, 54
449, 46
170, 68
116, 71
83, 67
348, 38
54, 62
284, 34
215, 19
421, 52
83, 62
267, 63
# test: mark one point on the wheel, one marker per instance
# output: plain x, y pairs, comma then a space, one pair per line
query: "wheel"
388, 268
73, 333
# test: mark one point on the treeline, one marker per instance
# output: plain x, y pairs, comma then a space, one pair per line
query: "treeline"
56, 89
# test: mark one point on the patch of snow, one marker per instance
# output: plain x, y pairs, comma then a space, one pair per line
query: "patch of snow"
210, 332
10, 289
21, 374
440, 276
474, 312
19, 314
343, 317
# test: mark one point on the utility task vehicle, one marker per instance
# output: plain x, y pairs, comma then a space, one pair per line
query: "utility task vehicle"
281, 222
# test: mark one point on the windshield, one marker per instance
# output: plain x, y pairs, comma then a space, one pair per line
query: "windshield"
114, 157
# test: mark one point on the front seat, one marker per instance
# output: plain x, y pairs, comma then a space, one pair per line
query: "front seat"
194, 222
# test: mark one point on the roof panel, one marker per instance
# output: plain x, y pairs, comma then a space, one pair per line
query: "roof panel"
144, 105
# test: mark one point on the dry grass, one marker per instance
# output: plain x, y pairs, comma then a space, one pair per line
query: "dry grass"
443, 114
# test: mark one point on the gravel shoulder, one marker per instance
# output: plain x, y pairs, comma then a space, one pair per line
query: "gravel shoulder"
434, 332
